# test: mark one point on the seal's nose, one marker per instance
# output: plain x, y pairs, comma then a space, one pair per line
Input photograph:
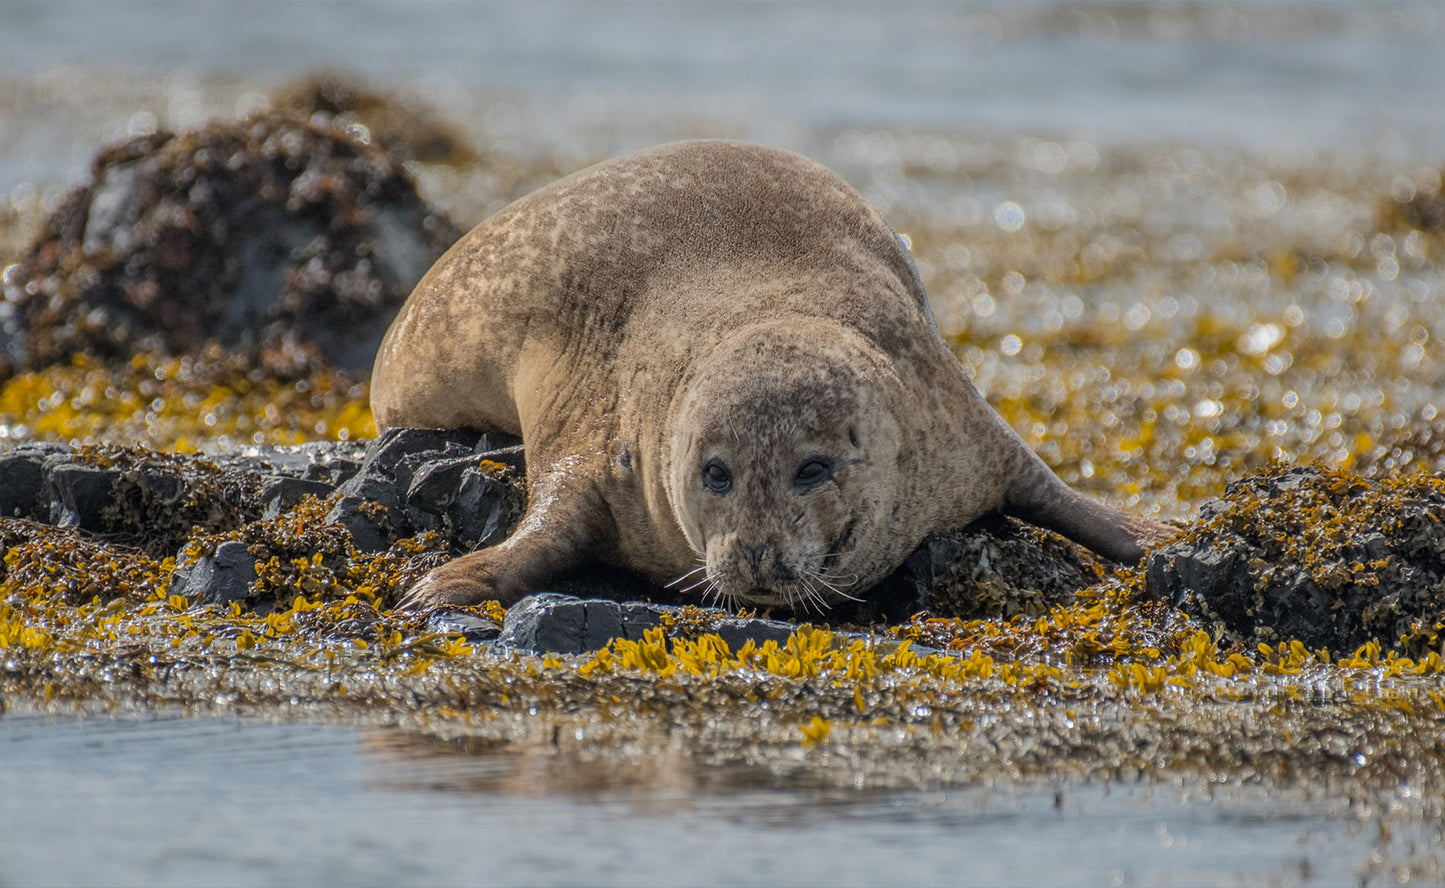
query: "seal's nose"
754, 555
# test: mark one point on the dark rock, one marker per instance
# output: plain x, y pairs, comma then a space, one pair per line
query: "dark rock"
454, 497
269, 234
414, 480
280, 494
1314, 555
79, 495
562, 624
493, 447
326, 462
368, 521
407, 131
545, 623
472, 627
387, 452
738, 631
219, 578
995, 567
22, 480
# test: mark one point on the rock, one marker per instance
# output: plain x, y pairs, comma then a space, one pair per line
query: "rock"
1314, 555
407, 130
79, 495
22, 481
414, 480
326, 462
219, 578
995, 567
282, 493
271, 235
470, 626
563, 624
452, 496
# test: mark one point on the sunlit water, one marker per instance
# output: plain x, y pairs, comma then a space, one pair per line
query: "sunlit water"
229, 802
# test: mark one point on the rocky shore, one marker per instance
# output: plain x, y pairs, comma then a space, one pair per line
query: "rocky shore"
197, 515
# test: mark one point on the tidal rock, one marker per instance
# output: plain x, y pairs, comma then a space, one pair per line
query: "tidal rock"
282, 493
471, 627
416, 480
79, 495
563, 624
220, 578
22, 481
1320, 556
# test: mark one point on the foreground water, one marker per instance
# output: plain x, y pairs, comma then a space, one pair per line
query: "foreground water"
223, 801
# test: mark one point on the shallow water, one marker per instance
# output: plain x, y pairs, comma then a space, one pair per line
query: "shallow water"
224, 801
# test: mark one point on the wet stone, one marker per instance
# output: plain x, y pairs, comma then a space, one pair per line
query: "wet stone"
416, 480
564, 624
79, 495
470, 626
22, 480
219, 578
280, 494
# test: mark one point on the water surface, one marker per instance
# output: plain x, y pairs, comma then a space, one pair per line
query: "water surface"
225, 801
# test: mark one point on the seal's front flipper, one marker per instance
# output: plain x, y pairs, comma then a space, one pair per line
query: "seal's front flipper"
558, 531
1039, 497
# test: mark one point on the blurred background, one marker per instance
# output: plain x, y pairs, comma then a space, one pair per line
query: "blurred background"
1338, 76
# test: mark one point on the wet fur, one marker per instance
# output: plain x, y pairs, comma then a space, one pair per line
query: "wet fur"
710, 300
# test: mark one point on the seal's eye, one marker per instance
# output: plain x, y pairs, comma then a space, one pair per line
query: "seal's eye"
716, 477
813, 471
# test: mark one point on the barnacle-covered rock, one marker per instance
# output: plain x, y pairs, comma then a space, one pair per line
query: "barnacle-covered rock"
1316, 555
270, 235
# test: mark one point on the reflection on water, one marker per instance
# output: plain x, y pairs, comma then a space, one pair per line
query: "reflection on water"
226, 801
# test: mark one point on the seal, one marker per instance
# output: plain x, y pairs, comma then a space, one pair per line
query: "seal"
727, 377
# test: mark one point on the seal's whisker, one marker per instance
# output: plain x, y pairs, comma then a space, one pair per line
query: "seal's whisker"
686, 575
813, 597
702, 582
834, 589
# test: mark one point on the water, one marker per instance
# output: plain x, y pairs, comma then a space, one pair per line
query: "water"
206, 801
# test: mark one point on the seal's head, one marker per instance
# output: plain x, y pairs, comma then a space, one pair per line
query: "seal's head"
786, 463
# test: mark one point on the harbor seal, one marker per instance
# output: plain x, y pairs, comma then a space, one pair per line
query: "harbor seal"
727, 377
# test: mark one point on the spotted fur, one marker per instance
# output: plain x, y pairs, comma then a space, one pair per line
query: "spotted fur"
718, 304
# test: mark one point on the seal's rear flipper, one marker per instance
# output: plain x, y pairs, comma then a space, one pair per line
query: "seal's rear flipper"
1039, 497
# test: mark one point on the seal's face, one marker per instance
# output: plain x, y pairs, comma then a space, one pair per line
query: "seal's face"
784, 479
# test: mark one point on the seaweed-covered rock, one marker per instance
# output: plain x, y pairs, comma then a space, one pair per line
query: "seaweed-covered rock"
268, 234
1321, 556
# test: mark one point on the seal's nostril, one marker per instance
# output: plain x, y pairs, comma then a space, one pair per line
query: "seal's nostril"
754, 555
